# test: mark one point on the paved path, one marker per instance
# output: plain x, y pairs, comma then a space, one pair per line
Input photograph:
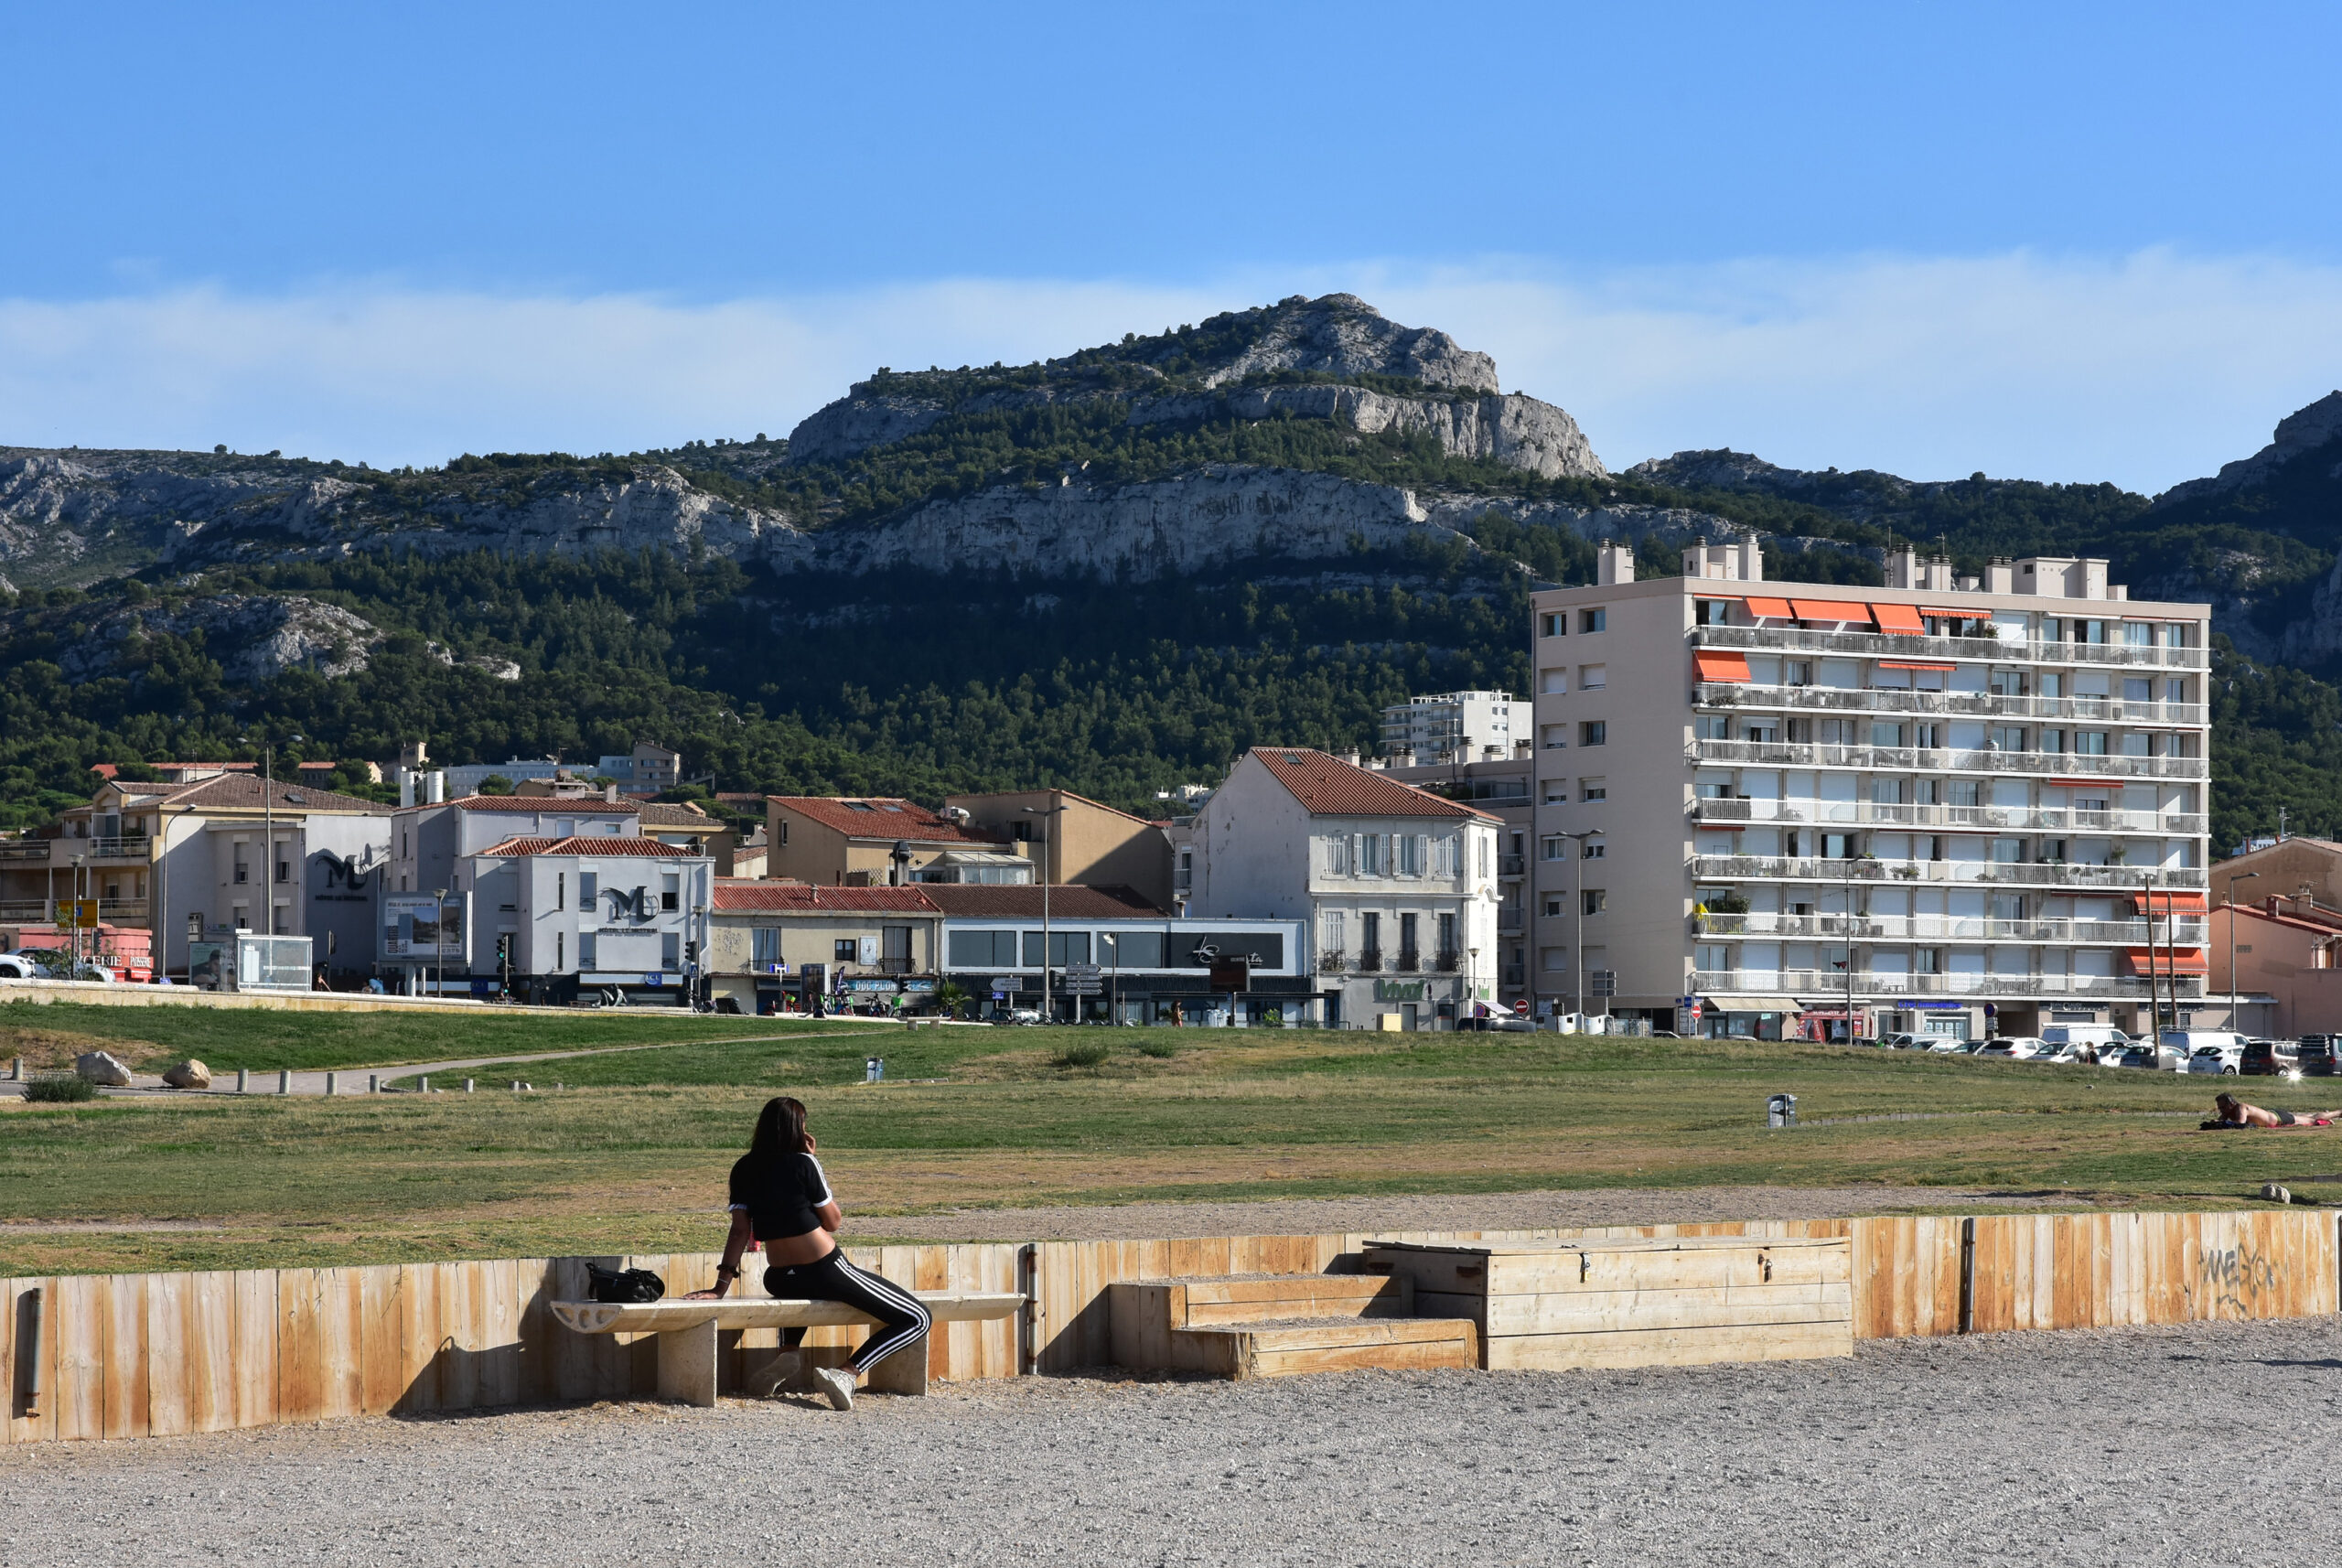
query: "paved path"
352, 1080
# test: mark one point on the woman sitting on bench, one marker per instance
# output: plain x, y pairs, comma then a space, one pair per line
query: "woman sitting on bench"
781, 1201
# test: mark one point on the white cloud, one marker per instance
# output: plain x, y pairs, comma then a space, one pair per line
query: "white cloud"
2144, 370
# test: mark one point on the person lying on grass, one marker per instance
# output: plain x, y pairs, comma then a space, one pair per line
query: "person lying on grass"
2235, 1113
781, 1201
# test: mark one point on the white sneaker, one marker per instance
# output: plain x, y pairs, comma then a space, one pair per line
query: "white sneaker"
838, 1384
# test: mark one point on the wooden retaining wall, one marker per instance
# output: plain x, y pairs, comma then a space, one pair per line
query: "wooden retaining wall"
139, 1355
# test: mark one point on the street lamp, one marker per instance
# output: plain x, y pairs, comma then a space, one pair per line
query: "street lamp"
439, 939
1049, 852
2240, 876
1577, 908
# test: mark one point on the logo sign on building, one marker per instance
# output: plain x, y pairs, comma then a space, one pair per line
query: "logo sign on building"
1398, 991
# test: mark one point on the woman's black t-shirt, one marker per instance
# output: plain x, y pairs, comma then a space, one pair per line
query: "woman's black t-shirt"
780, 1194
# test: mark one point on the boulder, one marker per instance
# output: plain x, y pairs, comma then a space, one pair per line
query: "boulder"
188, 1074
100, 1067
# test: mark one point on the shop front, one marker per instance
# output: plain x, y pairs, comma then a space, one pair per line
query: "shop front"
1748, 1019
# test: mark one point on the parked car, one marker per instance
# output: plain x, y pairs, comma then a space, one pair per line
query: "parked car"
1948, 1046
2142, 1054
1909, 1042
2058, 1054
2012, 1047
1019, 1016
2218, 1059
2269, 1058
2186, 1041
50, 963
2320, 1055
2092, 1040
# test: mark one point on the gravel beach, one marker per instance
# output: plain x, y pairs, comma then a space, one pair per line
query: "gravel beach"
2126, 1446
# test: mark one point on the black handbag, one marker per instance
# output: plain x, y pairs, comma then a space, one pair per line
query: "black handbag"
621, 1285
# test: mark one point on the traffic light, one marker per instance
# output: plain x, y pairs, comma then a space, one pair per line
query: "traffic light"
691, 953
504, 947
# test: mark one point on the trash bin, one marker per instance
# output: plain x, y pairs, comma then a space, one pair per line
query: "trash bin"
1780, 1111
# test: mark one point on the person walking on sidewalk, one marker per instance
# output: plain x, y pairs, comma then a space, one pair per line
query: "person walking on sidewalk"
781, 1201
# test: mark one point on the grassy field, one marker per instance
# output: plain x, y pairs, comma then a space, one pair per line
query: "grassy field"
223, 1038
632, 1156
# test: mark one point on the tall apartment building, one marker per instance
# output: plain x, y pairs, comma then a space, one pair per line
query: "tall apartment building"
1453, 726
1951, 796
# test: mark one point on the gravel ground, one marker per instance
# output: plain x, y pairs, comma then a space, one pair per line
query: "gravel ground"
1474, 1211
2127, 1446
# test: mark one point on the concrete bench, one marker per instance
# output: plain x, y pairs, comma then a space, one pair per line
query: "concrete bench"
687, 1331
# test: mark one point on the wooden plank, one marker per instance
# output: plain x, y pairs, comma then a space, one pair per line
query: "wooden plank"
1671, 1347
1585, 1312
208, 1345
497, 1310
419, 1339
164, 1348
258, 1327
78, 1324
1428, 1354
126, 1402
382, 1327
300, 1349
456, 1283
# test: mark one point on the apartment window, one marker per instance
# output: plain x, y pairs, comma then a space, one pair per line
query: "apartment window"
1487, 848
1187, 867
1336, 853
1370, 937
2138, 634
1837, 846
1556, 623
1927, 738
1557, 792
1553, 846
983, 950
671, 950
1593, 621
1711, 612
1796, 672
1331, 927
1710, 726
243, 871
1884, 734
1410, 848
2090, 743
670, 891
1370, 855
2138, 690
1924, 791
2175, 635
783, 839
588, 950
2005, 737
1593, 677
764, 949
1713, 958
2008, 852
588, 889
1706, 791
1553, 737
2138, 743
1886, 791
1448, 936
1592, 790
1961, 792
2051, 741
1554, 906
402, 844
1553, 682
285, 871
2175, 690
1594, 732
1592, 901
1553, 960
1446, 854
1594, 849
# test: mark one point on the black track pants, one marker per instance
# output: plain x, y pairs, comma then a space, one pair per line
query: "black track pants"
901, 1319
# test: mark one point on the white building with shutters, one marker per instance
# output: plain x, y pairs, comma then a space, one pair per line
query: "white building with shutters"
1397, 888
1953, 797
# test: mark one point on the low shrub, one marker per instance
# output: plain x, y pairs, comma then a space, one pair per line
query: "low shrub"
60, 1088
1158, 1048
1089, 1053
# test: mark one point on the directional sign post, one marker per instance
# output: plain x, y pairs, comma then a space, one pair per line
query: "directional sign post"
1084, 980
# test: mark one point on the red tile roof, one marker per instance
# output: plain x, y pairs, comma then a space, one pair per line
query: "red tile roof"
551, 805
658, 813
595, 843
883, 817
736, 896
992, 901
1329, 787
244, 791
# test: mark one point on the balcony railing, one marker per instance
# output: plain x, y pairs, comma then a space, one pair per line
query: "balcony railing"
1874, 813
1369, 959
25, 912
1979, 704
1447, 962
1408, 962
1512, 865
20, 850
1333, 962
1514, 979
1801, 868
1797, 754
2180, 932
1822, 984
1510, 923
1996, 650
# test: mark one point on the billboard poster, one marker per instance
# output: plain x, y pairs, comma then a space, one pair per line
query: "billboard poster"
416, 926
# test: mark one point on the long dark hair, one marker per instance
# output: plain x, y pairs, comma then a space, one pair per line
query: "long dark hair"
780, 1129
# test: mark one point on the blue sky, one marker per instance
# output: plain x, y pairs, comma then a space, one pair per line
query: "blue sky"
2076, 241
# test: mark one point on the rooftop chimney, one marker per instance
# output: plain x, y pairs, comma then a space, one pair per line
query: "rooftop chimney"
1616, 564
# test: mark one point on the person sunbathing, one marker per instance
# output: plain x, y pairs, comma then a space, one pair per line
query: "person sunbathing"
2233, 1109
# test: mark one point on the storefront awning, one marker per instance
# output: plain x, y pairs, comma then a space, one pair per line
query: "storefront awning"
1907, 664
2182, 960
1843, 612
1721, 664
1749, 1003
1900, 618
2171, 903
1769, 609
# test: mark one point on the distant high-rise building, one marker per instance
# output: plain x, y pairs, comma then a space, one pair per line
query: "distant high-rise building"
1453, 726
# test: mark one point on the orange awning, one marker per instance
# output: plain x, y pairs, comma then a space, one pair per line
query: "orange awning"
1831, 610
2179, 961
1721, 664
1899, 664
2172, 902
1769, 609
1902, 619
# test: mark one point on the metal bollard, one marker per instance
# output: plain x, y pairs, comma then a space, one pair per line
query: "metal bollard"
284, 1080
16, 1069
333, 1082
1780, 1111
467, 1086
373, 1083
426, 1085
516, 1086
244, 1080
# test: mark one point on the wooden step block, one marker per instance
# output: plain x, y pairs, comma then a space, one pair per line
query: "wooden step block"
1671, 1347
1144, 1314
1289, 1348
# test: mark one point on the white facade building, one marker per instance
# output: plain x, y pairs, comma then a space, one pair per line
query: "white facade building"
1453, 726
1397, 889
1950, 798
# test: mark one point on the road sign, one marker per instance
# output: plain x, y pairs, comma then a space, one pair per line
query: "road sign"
1520, 1007
1081, 988
1082, 971
85, 913
1001, 983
